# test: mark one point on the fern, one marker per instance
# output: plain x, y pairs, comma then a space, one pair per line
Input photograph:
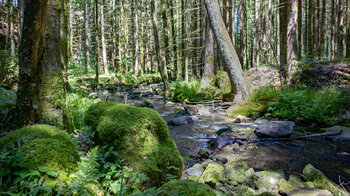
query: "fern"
88, 167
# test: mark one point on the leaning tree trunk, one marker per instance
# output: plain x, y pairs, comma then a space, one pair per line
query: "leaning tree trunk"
53, 91
233, 66
28, 105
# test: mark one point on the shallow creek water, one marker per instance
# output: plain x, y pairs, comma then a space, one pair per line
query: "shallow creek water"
288, 155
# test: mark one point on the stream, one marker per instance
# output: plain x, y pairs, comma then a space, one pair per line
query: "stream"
288, 155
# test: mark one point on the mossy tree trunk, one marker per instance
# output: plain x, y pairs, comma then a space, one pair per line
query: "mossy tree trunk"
53, 94
209, 50
29, 105
234, 69
283, 16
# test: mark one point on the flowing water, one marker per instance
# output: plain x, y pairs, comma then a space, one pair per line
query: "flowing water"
288, 155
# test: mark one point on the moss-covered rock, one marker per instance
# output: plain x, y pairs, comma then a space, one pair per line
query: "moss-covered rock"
196, 178
140, 136
44, 145
310, 192
186, 188
213, 173
321, 181
244, 191
285, 187
268, 179
235, 171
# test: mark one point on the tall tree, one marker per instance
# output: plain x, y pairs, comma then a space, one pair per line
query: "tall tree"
161, 66
86, 35
31, 53
347, 40
292, 39
103, 40
234, 69
283, 16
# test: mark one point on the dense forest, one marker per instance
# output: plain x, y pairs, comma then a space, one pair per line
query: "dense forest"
175, 97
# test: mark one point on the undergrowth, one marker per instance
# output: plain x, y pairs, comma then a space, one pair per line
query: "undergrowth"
327, 106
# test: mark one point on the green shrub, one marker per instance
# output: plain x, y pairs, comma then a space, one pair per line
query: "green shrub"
140, 135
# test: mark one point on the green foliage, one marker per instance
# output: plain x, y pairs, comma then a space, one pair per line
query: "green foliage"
182, 91
129, 78
40, 142
7, 103
141, 137
325, 106
77, 105
8, 68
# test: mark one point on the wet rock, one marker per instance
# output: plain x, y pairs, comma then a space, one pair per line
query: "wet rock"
186, 188
206, 162
181, 120
249, 173
275, 129
309, 184
235, 171
268, 179
342, 134
321, 181
310, 192
204, 153
285, 187
220, 142
197, 169
213, 173
223, 130
169, 104
204, 111
147, 103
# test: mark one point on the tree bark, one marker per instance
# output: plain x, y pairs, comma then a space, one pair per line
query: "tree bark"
12, 29
283, 15
173, 34
104, 47
347, 40
238, 84
86, 35
161, 66
29, 105
292, 39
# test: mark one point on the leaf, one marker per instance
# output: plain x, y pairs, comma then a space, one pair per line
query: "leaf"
42, 169
20, 155
155, 168
4, 171
52, 173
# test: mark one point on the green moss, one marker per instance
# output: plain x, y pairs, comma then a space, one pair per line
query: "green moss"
44, 146
54, 98
140, 136
186, 188
248, 109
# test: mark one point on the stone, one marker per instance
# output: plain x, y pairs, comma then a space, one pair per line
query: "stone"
268, 179
275, 129
181, 120
213, 173
223, 130
242, 190
310, 192
235, 171
186, 188
147, 103
197, 169
321, 181
342, 134
206, 162
196, 178
309, 184
204, 153
220, 142
203, 111
249, 173
285, 187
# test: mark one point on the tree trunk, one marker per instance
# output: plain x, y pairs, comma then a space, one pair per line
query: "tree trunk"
238, 84
12, 29
292, 39
283, 15
183, 38
208, 74
134, 37
53, 90
165, 35
29, 105
96, 44
323, 30
104, 47
347, 40
173, 34
161, 66
86, 35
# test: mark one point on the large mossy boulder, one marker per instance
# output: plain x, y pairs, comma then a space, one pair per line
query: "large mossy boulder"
322, 182
140, 136
43, 145
186, 188
235, 171
268, 179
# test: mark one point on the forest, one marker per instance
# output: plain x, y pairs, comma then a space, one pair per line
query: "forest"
175, 97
